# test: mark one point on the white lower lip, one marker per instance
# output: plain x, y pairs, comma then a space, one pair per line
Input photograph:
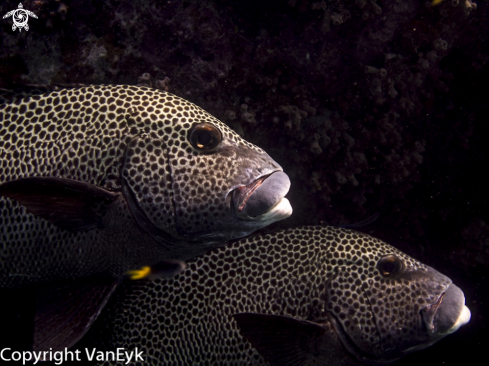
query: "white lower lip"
463, 319
280, 211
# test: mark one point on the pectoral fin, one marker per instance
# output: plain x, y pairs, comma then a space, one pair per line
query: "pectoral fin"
282, 340
64, 313
66, 203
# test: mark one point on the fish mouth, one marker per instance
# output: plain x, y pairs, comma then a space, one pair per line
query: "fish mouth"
263, 199
447, 314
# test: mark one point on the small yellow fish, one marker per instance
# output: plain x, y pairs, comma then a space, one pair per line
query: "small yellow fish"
168, 268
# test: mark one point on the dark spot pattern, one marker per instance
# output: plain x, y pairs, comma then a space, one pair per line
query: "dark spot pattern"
303, 273
101, 131
93, 134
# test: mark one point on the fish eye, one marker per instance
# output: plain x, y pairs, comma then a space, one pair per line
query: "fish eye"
389, 265
204, 136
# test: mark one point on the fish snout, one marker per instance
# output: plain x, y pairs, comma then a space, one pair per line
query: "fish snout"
264, 198
446, 315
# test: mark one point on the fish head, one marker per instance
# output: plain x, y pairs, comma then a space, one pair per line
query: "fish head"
385, 304
193, 183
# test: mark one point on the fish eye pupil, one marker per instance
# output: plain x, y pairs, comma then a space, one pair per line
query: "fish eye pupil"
389, 267
204, 138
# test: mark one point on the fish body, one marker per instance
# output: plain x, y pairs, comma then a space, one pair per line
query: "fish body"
99, 181
304, 296
105, 179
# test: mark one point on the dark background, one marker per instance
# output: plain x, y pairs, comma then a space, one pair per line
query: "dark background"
406, 138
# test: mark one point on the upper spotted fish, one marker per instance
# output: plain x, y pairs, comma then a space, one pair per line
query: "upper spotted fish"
306, 296
100, 180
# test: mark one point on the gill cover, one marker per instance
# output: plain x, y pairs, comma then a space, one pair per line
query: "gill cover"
146, 185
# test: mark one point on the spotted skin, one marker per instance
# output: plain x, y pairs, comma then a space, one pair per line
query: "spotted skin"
117, 136
80, 133
309, 273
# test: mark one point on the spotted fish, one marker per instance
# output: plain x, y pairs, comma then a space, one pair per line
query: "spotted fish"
100, 180
305, 296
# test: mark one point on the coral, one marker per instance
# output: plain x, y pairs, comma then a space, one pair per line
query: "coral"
163, 84
295, 116
146, 80
315, 148
247, 116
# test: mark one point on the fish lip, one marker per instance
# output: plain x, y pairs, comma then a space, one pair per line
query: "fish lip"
429, 312
440, 319
267, 174
246, 193
240, 194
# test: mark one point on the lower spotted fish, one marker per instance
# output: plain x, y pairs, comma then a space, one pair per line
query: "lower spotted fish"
306, 296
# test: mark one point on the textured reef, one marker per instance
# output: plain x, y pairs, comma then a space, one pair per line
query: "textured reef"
369, 106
